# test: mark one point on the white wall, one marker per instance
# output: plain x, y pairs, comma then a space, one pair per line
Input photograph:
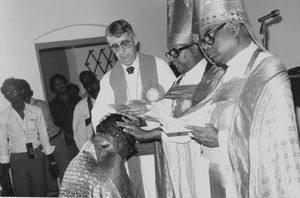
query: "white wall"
22, 22
285, 35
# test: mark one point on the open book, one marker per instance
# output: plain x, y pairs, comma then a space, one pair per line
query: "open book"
131, 104
161, 113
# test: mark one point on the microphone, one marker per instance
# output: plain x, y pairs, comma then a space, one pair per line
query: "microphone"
273, 14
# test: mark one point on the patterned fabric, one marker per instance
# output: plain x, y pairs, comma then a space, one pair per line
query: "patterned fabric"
85, 178
214, 12
263, 142
182, 23
208, 85
181, 161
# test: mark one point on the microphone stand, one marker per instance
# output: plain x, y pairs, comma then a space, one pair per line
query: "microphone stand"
262, 33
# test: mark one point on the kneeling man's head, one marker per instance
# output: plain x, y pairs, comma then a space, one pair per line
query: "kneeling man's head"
110, 137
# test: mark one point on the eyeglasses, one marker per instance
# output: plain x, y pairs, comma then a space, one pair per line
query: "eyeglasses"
125, 44
209, 37
174, 53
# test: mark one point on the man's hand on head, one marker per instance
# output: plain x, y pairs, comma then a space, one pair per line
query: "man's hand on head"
140, 134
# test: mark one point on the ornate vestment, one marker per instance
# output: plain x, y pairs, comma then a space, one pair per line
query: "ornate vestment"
180, 162
263, 143
85, 178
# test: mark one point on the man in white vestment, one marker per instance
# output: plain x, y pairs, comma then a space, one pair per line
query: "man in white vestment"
82, 125
132, 78
185, 169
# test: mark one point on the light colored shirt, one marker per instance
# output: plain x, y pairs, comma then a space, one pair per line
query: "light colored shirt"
82, 132
134, 87
52, 129
15, 132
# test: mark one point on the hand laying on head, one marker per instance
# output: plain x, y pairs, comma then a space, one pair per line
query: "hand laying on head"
208, 135
137, 107
133, 127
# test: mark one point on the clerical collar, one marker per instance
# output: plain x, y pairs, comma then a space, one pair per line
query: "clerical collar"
134, 67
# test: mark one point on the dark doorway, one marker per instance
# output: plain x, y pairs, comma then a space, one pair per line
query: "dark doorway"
90, 54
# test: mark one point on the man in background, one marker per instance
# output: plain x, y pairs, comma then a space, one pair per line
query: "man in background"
82, 125
24, 143
62, 108
56, 138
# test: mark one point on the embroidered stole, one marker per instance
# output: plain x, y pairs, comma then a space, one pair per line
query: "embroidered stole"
148, 73
188, 96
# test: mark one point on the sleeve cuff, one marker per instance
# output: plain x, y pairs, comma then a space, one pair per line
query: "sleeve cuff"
48, 150
4, 159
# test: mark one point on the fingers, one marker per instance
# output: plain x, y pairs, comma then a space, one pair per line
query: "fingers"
125, 125
195, 128
195, 137
129, 115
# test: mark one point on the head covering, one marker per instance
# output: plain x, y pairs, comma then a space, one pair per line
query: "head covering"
182, 23
214, 12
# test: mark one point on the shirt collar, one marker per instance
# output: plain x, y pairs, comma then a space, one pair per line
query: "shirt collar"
26, 109
135, 64
237, 65
195, 73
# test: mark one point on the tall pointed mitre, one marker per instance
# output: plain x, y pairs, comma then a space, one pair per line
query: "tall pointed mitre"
182, 26
213, 12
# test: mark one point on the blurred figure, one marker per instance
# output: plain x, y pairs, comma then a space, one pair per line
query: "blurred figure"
74, 91
99, 169
82, 125
62, 107
85, 77
56, 138
22, 132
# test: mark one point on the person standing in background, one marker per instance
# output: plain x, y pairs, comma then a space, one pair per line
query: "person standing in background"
62, 108
82, 125
56, 138
22, 132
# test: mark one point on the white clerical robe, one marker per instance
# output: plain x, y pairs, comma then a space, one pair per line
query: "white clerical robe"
134, 90
188, 169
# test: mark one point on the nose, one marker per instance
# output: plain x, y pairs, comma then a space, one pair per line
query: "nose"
121, 50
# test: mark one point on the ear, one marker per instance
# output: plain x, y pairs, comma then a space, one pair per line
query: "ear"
195, 49
134, 38
235, 27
